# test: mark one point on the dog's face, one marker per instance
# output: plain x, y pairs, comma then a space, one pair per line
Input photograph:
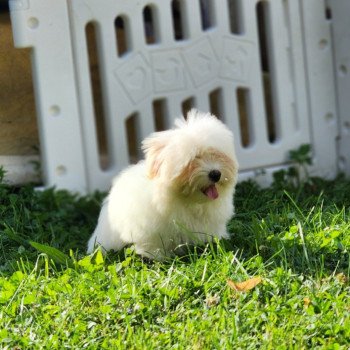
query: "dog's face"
209, 175
189, 164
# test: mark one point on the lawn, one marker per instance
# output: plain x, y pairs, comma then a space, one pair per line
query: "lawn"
294, 237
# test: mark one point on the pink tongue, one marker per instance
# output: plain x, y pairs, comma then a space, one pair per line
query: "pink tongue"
211, 192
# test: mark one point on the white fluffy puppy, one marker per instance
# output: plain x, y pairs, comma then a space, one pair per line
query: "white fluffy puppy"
182, 193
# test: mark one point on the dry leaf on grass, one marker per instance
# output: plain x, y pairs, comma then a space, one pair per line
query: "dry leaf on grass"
244, 286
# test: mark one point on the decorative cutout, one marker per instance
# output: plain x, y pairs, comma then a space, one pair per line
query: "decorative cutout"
133, 136
235, 16
216, 103
122, 35
179, 27
168, 71
135, 77
207, 14
244, 114
236, 59
150, 22
201, 62
262, 12
91, 31
160, 114
187, 105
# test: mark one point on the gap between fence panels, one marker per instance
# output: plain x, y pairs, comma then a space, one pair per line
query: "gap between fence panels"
21, 169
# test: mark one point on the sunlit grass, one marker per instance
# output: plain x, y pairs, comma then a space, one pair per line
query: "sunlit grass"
296, 239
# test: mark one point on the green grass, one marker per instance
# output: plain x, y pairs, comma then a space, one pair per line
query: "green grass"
296, 238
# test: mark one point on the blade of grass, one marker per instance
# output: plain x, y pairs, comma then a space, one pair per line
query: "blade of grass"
294, 204
55, 254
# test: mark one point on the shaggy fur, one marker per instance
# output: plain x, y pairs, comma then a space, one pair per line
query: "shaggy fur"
182, 193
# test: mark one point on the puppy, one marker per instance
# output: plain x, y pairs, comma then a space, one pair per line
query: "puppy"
182, 193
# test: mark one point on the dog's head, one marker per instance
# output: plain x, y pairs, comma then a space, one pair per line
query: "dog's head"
196, 159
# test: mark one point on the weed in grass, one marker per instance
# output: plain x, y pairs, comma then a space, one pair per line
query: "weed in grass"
297, 173
2, 174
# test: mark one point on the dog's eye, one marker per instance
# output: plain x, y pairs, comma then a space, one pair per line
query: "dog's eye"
198, 156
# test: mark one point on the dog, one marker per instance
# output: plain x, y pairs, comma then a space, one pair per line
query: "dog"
181, 194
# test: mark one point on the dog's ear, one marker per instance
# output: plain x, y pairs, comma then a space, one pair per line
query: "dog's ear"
154, 148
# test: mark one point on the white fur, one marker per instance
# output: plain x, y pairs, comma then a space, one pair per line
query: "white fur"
157, 205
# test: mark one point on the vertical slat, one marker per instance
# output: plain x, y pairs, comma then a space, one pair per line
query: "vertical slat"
136, 29
341, 34
202, 100
320, 76
280, 71
293, 10
165, 22
230, 115
222, 16
175, 106
249, 20
93, 38
259, 125
47, 32
192, 18
147, 125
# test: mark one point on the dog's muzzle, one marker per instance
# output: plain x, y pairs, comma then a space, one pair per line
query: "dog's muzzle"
211, 191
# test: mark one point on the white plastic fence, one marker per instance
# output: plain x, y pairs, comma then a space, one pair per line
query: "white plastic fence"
341, 36
266, 68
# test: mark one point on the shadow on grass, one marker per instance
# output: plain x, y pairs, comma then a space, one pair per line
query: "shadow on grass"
58, 219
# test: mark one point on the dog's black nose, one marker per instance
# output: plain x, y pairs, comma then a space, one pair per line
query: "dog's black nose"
214, 175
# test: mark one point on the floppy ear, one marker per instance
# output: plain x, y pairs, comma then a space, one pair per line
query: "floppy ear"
154, 149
